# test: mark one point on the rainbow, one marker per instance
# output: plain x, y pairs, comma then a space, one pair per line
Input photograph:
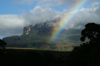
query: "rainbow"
67, 20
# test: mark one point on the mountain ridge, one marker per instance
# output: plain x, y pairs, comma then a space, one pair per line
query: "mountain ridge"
38, 36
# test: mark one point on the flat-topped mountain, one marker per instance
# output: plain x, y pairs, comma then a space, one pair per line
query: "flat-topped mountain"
38, 36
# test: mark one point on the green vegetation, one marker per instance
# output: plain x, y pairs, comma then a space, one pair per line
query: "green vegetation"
18, 57
39, 37
88, 53
2, 45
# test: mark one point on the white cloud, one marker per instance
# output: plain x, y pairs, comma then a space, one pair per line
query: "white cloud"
45, 2
48, 3
87, 15
39, 14
11, 25
10, 21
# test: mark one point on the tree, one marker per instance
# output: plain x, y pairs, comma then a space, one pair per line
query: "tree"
92, 32
88, 53
2, 45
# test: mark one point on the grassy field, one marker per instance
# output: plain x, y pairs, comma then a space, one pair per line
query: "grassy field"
13, 56
37, 49
22, 48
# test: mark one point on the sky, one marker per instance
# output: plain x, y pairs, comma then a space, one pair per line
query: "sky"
16, 14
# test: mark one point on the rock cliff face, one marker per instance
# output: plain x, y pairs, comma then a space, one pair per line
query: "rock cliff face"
26, 30
43, 28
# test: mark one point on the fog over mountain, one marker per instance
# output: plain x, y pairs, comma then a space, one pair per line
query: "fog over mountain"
13, 24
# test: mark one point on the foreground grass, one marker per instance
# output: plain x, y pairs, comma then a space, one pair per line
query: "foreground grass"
32, 57
37, 49
22, 48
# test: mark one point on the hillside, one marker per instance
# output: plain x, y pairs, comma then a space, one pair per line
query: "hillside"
38, 36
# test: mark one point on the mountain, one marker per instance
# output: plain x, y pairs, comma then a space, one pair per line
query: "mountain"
38, 36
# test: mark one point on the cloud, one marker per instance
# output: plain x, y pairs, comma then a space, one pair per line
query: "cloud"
39, 14
87, 15
47, 3
11, 25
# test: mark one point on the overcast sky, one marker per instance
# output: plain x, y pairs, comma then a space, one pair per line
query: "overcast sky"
15, 14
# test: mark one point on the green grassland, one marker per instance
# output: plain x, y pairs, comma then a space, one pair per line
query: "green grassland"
30, 57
